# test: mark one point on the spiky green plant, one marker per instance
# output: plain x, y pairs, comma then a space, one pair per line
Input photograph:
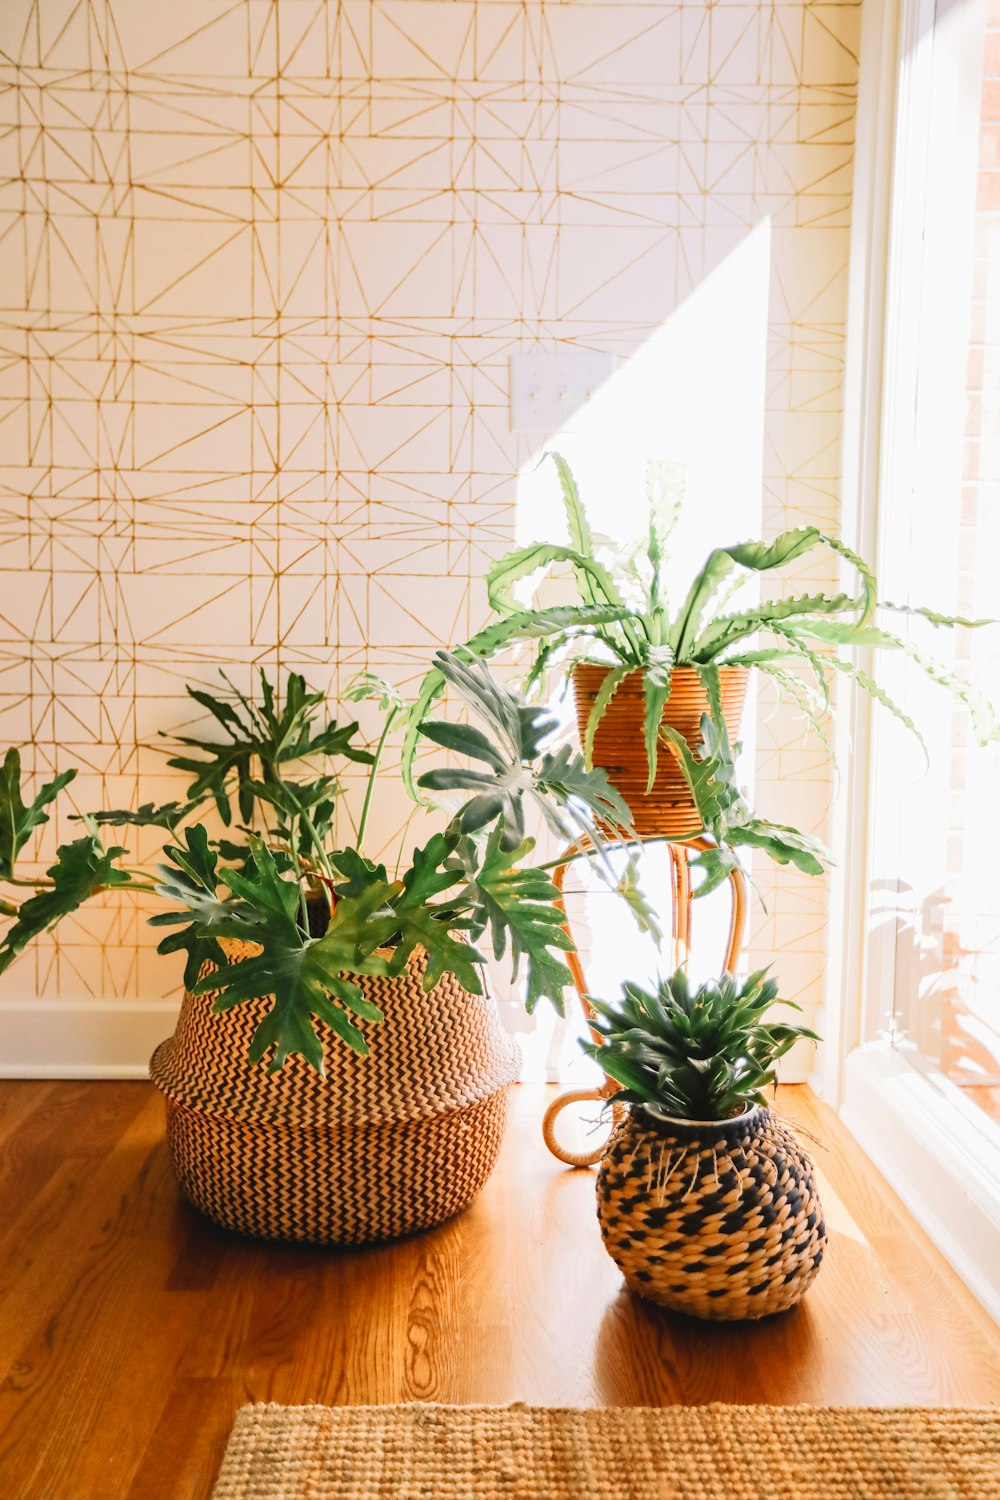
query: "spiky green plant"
703, 1053
618, 613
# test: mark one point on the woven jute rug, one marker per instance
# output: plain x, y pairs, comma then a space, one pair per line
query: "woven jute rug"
681, 1453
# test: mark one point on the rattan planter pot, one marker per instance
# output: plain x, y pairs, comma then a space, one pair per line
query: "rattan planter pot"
380, 1147
620, 746
720, 1221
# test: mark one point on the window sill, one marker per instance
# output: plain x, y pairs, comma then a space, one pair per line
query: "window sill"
940, 1154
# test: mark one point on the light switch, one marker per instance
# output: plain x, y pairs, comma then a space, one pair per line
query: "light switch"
547, 389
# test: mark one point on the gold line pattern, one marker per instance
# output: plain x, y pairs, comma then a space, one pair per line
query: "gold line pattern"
262, 266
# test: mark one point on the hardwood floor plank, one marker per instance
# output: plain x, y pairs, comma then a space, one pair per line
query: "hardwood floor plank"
131, 1329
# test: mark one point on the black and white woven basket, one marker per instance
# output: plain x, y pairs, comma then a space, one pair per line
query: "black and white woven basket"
718, 1220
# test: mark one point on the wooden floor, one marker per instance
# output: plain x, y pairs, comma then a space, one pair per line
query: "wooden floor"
131, 1330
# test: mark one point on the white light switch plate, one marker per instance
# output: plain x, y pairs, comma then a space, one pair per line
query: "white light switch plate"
547, 389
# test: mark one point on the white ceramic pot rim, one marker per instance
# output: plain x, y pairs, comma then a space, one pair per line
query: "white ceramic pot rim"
665, 1119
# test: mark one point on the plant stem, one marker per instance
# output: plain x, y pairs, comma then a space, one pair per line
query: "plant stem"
390, 720
600, 853
313, 833
303, 903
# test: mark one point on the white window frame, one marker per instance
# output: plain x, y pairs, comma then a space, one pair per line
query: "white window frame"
924, 1136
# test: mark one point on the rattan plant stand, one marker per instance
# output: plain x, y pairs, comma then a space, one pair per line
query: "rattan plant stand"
681, 916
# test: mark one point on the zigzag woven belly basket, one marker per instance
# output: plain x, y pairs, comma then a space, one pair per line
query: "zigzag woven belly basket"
381, 1146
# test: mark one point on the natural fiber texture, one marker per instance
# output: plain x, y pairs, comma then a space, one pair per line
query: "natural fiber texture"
620, 746
381, 1146
680, 1453
722, 1221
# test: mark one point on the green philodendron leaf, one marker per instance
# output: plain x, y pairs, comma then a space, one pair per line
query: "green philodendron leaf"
18, 819
572, 800
304, 810
260, 742
638, 903
554, 627
148, 815
576, 801
517, 905
422, 924
785, 845
82, 869
359, 874
465, 739
370, 687
191, 882
304, 977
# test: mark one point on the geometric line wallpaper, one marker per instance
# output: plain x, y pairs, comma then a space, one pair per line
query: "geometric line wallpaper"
262, 267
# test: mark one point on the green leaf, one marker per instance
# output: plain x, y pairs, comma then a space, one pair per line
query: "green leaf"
359, 873
665, 494
785, 845
610, 685
420, 924
716, 864
725, 631
709, 777
579, 528
370, 687
82, 868
571, 799
702, 1053
259, 737
17, 819
303, 977
756, 556
872, 688
149, 815
869, 586
656, 684
638, 903
601, 588
466, 739
518, 905
935, 618
190, 881
794, 688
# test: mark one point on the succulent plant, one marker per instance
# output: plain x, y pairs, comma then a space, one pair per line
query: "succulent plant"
694, 1053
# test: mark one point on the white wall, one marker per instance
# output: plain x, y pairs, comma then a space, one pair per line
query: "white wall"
261, 271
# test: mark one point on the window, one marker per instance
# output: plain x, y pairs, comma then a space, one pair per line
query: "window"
923, 1088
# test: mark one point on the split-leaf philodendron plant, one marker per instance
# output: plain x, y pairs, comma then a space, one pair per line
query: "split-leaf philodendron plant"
472, 880
621, 617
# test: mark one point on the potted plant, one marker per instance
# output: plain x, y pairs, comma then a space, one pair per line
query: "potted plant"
705, 1199
303, 959
646, 671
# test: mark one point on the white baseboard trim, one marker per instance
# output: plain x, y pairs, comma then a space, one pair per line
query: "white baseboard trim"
82, 1038
939, 1153
115, 1039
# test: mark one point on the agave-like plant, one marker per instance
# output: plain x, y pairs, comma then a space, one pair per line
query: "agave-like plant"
622, 617
694, 1053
